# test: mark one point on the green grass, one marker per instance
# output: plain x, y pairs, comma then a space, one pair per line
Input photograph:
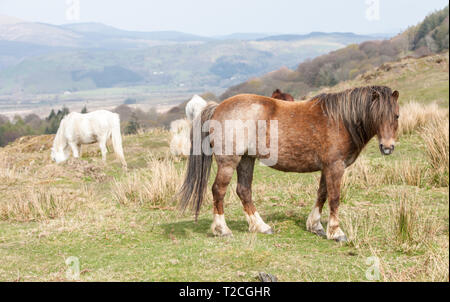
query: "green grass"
145, 243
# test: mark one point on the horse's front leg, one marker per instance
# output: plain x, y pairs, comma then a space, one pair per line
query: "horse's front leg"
75, 151
103, 149
313, 223
333, 177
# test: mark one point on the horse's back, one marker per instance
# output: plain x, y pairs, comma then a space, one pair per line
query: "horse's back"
252, 107
103, 117
89, 127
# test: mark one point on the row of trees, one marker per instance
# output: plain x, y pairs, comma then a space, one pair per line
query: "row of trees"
131, 121
31, 124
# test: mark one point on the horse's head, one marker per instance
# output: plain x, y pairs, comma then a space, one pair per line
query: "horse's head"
277, 94
59, 154
387, 128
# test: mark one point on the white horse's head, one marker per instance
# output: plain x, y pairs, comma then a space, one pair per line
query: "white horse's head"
59, 154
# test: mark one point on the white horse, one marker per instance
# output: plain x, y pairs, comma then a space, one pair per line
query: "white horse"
194, 107
181, 143
76, 129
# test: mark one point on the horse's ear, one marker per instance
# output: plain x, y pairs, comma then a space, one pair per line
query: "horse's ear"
395, 95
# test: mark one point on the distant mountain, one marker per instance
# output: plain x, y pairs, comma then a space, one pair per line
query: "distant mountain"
86, 35
101, 30
40, 33
20, 39
9, 20
428, 37
44, 58
312, 35
242, 36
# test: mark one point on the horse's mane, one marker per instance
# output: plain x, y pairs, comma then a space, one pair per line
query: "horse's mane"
361, 109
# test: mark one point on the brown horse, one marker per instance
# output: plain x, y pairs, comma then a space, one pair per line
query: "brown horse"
326, 133
277, 94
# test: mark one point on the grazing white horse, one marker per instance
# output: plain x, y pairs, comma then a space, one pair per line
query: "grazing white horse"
180, 144
194, 107
76, 129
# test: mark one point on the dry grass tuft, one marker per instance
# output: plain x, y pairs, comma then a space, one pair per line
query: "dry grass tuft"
414, 116
37, 204
154, 186
32, 143
436, 137
8, 172
405, 172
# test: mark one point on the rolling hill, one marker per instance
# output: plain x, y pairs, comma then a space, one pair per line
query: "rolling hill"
428, 37
38, 58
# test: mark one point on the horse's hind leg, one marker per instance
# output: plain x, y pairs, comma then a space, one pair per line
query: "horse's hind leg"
313, 223
225, 170
244, 191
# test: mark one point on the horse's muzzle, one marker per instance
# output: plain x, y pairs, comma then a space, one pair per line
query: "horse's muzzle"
386, 150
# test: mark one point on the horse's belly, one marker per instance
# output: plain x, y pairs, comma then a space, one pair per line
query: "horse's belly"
89, 140
291, 156
295, 165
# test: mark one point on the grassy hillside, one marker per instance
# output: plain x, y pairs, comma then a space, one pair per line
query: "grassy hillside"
124, 226
428, 37
424, 80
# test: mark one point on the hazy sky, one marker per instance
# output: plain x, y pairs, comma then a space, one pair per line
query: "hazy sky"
217, 17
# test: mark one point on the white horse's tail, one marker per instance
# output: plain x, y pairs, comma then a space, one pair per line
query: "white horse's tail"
116, 138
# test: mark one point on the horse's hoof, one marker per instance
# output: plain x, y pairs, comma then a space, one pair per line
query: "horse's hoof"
225, 234
341, 238
269, 232
320, 233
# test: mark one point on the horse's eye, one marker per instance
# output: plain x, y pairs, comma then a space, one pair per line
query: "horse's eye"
397, 116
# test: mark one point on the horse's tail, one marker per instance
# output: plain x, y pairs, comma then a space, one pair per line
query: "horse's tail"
116, 138
199, 166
